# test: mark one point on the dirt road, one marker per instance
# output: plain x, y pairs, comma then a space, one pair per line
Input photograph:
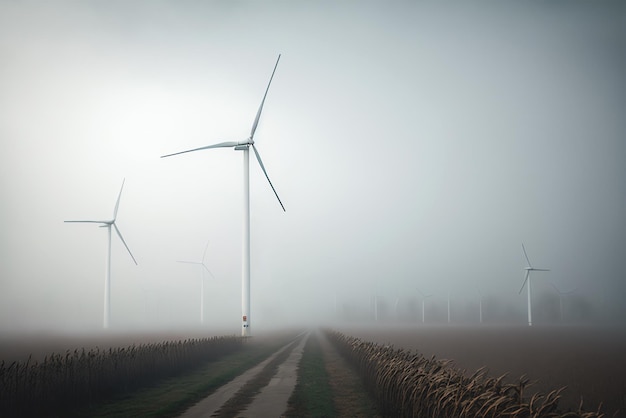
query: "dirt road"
261, 391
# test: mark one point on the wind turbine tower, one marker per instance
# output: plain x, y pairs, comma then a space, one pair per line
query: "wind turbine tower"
203, 268
448, 307
245, 146
375, 308
107, 275
395, 308
528, 269
423, 304
480, 305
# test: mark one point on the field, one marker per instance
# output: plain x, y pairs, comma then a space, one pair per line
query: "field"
590, 362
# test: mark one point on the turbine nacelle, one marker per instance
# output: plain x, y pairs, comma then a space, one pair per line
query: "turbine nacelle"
243, 146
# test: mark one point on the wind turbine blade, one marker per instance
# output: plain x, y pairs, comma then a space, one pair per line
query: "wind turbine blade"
220, 145
526, 255
204, 254
117, 204
525, 280
207, 269
258, 113
555, 288
119, 234
90, 222
534, 269
258, 157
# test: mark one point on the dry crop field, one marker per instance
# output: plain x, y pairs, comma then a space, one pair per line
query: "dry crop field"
590, 361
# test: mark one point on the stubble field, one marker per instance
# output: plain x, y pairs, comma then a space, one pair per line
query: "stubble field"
589, 361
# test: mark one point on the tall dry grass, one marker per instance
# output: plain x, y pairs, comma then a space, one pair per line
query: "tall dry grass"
83, 377
407, 384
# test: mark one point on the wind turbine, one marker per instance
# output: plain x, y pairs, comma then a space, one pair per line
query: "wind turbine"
480, 305
375, 308
395, 308
423, 303
561, 294
245, 147
448, 306
202, 269
107, 275
528, 269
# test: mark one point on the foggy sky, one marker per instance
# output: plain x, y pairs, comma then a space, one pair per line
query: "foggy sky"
415, 147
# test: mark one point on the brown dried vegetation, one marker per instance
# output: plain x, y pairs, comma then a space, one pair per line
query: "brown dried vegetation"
407, 384
83, 377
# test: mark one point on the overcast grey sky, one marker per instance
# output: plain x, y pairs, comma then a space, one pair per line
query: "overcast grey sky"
415, 146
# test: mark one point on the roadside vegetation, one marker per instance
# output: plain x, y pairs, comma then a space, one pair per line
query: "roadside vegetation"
81, 378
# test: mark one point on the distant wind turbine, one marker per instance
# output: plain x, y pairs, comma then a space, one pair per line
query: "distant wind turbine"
448, 307
423, 304
528, 269
480, 305
561, 294
107, 276
245, 147
395, 308
203, 268
375, 308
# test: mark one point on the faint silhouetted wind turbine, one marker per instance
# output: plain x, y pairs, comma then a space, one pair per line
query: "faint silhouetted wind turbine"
107, 275
245, 147
423, 304
561, 294
480, 305
528, 269
203, 268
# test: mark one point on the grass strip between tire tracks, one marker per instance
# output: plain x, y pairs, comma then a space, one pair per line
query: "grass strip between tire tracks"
313, 395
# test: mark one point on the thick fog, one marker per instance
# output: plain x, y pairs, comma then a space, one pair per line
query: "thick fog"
415, 147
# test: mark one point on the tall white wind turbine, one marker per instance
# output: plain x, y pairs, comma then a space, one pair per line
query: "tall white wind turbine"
107, 275
203, 268
245, 147
528, 269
